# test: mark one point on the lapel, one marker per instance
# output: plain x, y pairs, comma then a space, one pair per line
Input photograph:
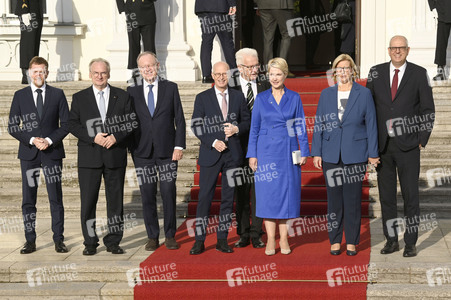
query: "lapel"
142, 99
92, 101
353, 95
30, 101
386, 73
405, 78
160, 96
278, 107
334, 101
111, 101
48, 96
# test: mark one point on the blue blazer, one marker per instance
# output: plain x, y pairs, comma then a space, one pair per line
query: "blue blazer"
355, 137
24, 122
207, 120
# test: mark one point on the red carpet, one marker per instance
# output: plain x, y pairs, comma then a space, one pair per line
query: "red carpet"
235, 274
314, 189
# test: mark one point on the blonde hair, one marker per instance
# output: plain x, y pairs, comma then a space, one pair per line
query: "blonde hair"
278, 63
342, 57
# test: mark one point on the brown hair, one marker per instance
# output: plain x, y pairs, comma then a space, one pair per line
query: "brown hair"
342, 57
37, 60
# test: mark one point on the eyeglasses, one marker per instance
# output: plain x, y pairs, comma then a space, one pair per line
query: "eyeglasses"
99, 74
250, 67
147, 67
396, 49
341, 69
220, 74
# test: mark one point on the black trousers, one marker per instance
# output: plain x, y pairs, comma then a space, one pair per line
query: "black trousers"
405, 164
213, 24
149, 171
443, 31
344, 197
52, 170
245, 209
207, 184
30, 39
135, 33
90, 180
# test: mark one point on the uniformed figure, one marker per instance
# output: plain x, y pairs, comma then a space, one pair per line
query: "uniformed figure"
141, 22
443, 8
31, 15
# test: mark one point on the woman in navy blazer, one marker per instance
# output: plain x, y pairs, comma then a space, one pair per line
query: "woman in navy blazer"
344, 140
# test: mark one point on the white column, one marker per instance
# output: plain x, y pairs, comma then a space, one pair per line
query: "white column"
118, 48
176, 64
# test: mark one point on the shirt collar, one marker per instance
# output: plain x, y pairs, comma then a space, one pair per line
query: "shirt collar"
401, 68
245, 82
34, 88
96, 91
154, 83
219, 92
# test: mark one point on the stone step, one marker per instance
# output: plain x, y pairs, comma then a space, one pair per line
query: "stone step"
411, 291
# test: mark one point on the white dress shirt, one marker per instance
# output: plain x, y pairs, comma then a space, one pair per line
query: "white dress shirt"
219, 98
244, 87
154, 91
106, 96
401, 72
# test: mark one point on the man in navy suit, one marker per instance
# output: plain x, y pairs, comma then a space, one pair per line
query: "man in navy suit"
220, 116
405, 117
38, 119
215, 19
102, 118
157, 147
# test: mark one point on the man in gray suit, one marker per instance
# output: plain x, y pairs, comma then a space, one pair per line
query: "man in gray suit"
273, 13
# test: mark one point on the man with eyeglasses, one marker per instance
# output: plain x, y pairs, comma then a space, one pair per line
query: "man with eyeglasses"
405, 116
102, 118
250, 84
220, 116
157, 146
443, 8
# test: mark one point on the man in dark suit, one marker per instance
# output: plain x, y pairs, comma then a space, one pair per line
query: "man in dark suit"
405, 116
443, 8
31, 16
220, 116
215, 19
249, 83
141, 23
38, 119
102, 118
157, 147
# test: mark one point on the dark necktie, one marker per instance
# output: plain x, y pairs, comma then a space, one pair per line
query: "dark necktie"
150, 100
250, 96
39, 102
394, 85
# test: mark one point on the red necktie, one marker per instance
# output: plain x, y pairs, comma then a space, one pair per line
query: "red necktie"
394, 85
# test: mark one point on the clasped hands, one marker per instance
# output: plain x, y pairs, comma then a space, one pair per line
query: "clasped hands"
41, 143
229, 130
105, 140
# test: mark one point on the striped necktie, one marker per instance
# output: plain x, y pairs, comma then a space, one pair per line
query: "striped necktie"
250, 96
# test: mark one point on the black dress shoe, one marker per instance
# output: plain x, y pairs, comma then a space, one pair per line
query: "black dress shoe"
222, 246
89, 251
257, 243
351, 252
28, 247
207, 79
335, 252
115, 249
243, 242
410, 251
152, 245
198, 248
60, 247
390, 247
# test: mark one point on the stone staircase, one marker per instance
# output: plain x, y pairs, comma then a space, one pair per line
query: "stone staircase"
435, 158
10, 183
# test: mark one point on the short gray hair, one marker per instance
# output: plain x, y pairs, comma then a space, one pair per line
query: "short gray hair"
102, 60
146, 53
240, 54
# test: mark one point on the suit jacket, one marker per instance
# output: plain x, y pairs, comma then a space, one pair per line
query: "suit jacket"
24, 122
275, 4
411, 113
443, 9
85, 122
158, 133
262, 85
215, 6
144, 10
354, 138
35, 7
207, 120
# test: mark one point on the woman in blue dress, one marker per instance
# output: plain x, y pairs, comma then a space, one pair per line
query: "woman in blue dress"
277, 129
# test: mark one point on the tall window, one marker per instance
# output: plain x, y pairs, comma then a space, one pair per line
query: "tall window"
13, 3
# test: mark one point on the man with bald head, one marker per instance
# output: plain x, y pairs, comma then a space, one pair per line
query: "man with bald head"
220, 116
405, 117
